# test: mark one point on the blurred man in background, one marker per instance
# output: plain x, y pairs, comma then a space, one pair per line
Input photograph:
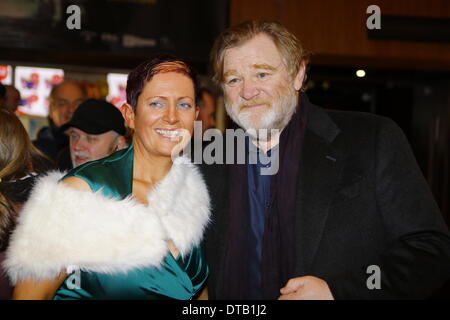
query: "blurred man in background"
207, 114
64, 100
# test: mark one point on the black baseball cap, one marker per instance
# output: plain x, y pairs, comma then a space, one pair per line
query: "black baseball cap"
95, 116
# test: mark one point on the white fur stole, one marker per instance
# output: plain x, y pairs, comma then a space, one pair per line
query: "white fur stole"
62, 228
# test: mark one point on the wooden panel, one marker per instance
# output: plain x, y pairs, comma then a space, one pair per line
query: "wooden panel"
335, 31
261, 9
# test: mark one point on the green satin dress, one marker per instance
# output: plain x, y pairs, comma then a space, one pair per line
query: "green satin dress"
176, 278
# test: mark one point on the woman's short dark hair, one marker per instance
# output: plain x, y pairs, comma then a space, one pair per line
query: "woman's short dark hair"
160, 63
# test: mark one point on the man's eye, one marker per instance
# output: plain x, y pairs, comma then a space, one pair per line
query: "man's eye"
263, 75
91, 139
62, 103
232, 81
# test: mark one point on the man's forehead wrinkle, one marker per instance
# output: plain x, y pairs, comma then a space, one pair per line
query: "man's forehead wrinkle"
254, 66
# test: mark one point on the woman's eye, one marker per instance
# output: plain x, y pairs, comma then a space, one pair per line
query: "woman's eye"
156, 104
91, 139
262, 75
184, 105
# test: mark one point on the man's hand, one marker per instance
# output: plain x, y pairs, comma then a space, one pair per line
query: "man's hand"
306, 288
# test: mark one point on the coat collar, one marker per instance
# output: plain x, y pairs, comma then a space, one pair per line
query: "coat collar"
320, 168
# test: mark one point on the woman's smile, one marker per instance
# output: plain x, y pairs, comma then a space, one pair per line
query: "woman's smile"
171, 134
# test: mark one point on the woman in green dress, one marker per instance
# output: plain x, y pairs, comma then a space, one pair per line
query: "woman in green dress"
128, 226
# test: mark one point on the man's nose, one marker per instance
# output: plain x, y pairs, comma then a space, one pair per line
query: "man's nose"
73, 106
79, 144
249, 90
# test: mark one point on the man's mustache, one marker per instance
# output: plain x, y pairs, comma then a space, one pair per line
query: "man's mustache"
80, 155
245, 104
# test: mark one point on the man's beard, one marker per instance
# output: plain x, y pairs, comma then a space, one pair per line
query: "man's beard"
86, 158
275, 115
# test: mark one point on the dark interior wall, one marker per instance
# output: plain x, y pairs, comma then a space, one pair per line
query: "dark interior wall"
113, 33
336, 32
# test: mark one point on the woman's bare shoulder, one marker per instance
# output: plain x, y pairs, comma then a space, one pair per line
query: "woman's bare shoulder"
76, 183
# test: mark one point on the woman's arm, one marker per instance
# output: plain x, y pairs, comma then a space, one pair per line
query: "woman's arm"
38, 290
76, 183
44, 290
203, 295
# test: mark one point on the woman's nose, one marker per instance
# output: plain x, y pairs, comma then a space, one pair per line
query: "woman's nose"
171, 115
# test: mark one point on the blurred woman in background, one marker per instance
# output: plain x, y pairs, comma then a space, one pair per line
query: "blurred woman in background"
20, 164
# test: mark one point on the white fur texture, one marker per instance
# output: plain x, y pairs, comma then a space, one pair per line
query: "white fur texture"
61, 227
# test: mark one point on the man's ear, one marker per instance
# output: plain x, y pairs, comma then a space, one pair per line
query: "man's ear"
300, 77
128, 114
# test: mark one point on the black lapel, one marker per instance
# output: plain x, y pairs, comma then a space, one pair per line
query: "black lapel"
320, 168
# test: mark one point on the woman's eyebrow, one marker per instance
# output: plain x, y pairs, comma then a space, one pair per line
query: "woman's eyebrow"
152, 97
185, 97
166, 98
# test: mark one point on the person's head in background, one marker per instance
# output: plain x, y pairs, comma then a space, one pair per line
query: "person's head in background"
64, 100
207, 105
12, 98
96, 130
260, 66
18, 158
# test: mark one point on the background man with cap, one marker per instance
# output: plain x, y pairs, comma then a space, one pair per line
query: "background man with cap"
96, 130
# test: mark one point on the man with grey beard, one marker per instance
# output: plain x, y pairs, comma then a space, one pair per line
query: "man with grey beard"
347, 215
96, 130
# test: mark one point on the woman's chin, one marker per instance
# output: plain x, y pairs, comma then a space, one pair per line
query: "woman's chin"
169, 151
